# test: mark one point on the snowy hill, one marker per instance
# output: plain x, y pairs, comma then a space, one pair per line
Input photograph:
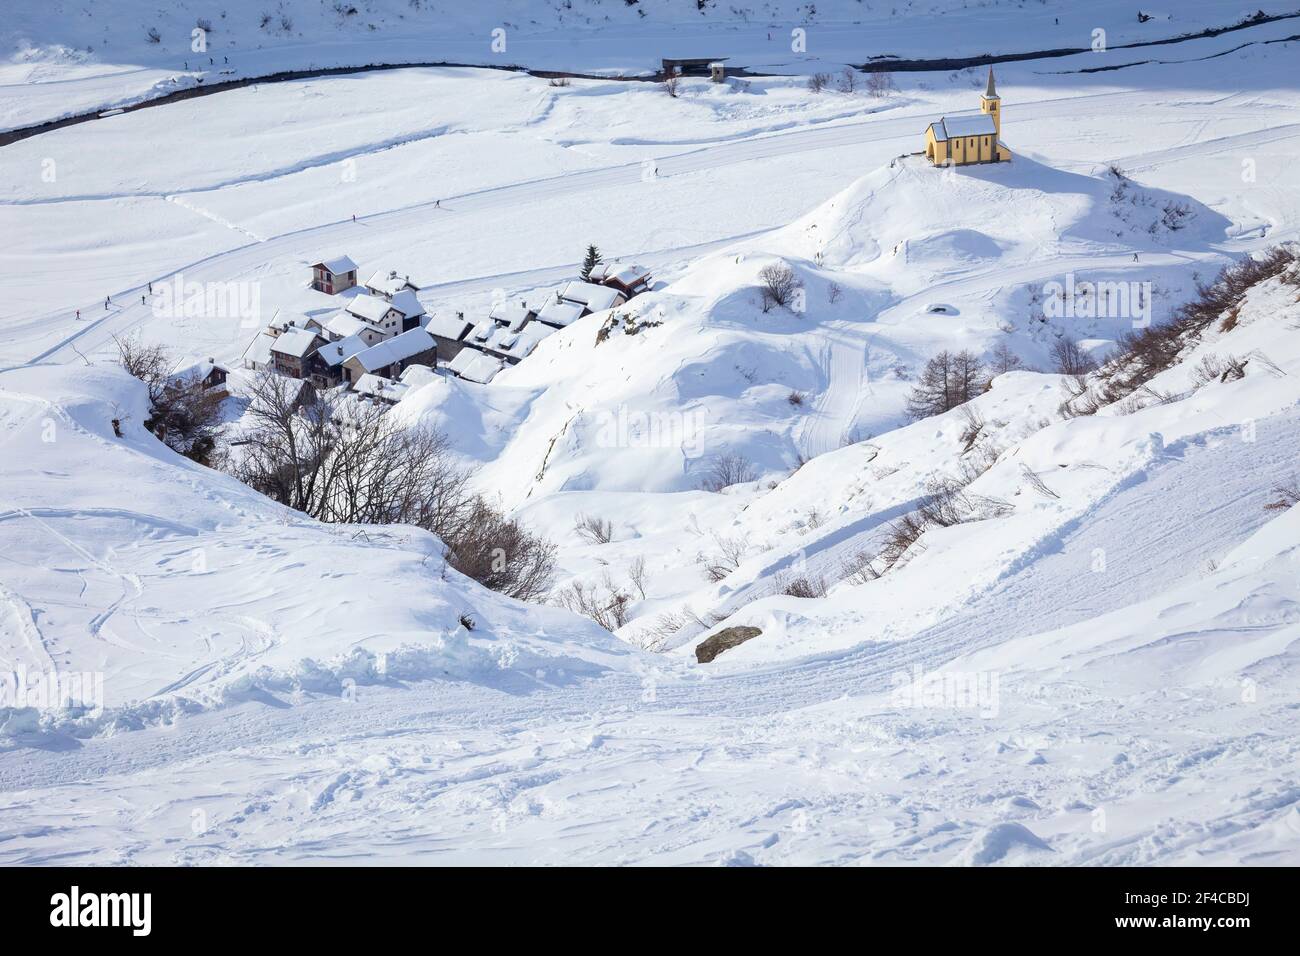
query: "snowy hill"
1053, 625
199, 592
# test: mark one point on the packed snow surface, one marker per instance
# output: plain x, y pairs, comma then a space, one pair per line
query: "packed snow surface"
1097, 667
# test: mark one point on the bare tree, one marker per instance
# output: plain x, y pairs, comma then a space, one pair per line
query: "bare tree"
948, 380
818, 82
183, 414
1070, 359
880, 82
637, 573
671, 83
593, 529
1004, 360
727, 470
604, 603
348, 462
779, 285
848, 81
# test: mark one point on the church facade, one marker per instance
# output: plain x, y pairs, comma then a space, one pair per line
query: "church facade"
963, 140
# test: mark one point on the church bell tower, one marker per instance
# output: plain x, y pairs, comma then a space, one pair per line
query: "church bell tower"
991, 103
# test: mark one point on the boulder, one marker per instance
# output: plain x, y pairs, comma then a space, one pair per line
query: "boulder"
724, 640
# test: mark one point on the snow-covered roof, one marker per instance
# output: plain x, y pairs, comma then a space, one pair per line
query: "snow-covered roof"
417, 375
190, 369
283, 319
389, 282
369, 307
446, 326
259, 350
379, 387
512, 314
981, 124
337, 265
399, 347
336, 353
475, 366
628, 274
514, 344
560, 314
298, 343
405, 302
595, 297
343, 324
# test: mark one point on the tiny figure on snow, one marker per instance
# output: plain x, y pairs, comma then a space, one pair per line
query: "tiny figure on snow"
151, 288
1135, 257
142, 300
105, 303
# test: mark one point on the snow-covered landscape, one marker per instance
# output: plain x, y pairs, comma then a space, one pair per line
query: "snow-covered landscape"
613, 432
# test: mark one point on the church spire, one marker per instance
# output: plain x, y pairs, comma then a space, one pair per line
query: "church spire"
991, 91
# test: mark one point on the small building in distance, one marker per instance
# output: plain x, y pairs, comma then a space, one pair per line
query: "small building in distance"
475, 366
205, 373
449, 333
388, 283
390, 357
292, 351
964, 140
692, 65
627, 278
333, 276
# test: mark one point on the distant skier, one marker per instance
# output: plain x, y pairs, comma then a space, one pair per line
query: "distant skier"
78, 315
151, 288
142, 300
105, 303
1135, 257
437, 204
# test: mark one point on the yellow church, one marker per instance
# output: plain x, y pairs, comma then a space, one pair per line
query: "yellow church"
963, 140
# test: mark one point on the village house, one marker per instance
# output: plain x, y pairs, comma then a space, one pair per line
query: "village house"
327, 364
205, 373
283, 321
380, 389
629, 279
291, 352
258, 354
592, 297
511, 314
449, 332
333, 276
387, 284
391, 317
510, 346
692, 65
560, 314
390, 357
345, 325
963, 140
475, 366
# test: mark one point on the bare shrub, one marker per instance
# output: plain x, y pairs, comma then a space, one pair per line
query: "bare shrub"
731, 551
184, 415
593, 529
818, 82
636, 573
948, 380
779, 285
559, 81
859, 568
1037, 483
1147, 352
349, 464
672, 84
1214, 369
1287, 495
973, 426
601, 601
803, 586
1070, 359
1004, 360
795, 398
726, 470
880, 82
900, 537
848, 80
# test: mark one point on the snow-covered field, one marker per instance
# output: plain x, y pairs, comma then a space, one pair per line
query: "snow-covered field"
1100, 670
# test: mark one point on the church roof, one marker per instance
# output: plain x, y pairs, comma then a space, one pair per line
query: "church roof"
981, 124
991, 91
